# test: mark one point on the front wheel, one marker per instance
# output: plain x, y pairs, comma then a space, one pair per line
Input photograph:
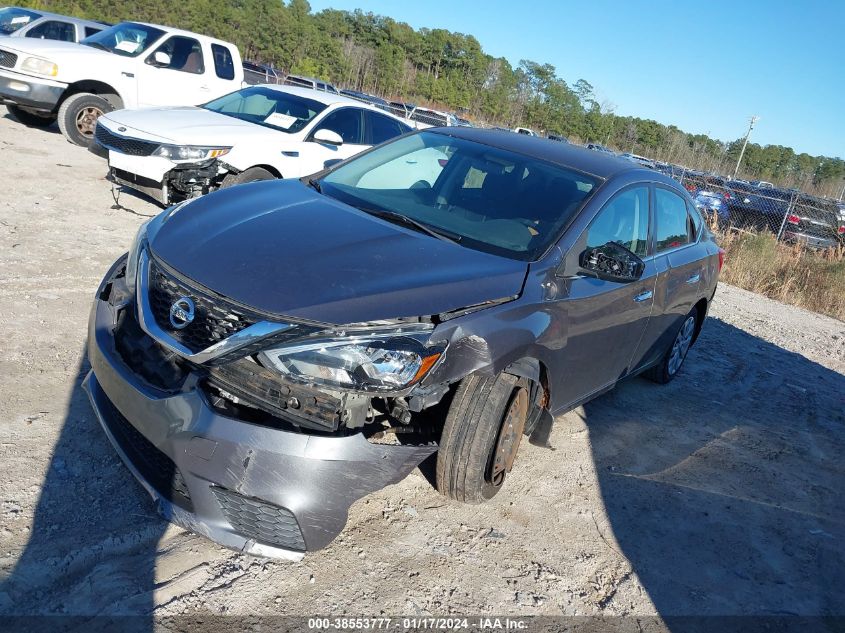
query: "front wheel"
672, 360
30, 118
481, 436
253, 174
78, 116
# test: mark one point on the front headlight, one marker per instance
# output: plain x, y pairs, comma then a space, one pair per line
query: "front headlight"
190, 152
134, 254
40, 66
384, 363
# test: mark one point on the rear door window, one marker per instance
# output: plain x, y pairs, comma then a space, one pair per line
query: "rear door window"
224, 65
382, 128
674, 226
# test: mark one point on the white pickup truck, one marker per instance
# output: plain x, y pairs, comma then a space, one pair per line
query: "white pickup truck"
129, 65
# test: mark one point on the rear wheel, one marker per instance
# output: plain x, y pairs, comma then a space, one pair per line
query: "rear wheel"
674, 357
481, 436
30, 118
78, 116
253, 174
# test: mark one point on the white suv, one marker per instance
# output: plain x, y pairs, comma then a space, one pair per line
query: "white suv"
257, 133
128, 65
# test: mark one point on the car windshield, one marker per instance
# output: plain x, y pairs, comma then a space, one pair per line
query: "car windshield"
268, 107
483, 197
12, 19
128, 39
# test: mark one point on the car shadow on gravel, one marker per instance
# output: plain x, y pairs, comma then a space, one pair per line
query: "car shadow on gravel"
52, 129
723, 489
93, 541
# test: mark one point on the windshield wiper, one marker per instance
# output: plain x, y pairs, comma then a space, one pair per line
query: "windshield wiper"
316, 184
395, 216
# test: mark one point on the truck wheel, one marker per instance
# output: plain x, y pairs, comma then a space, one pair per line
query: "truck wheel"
670, 364
78, 116
30, 118
253, 174
481, 436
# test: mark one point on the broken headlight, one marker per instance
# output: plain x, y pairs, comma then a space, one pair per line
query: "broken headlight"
383, 363
190, 152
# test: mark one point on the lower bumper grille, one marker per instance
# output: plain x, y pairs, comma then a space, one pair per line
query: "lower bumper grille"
259, 520
155, 467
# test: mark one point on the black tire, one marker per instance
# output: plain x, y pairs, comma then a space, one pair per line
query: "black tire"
666, 370
30, 118
78, 116
253, 174
471, 436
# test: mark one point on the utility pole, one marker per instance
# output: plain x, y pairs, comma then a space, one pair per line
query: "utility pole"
754, 120
842, 193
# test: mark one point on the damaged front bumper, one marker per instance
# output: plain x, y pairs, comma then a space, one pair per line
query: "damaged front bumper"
250, 487
161, 179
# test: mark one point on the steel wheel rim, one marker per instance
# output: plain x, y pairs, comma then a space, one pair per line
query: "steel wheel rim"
86, 120
507, 444
681, 345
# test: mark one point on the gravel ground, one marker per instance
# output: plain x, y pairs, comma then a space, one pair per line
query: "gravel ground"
718, 494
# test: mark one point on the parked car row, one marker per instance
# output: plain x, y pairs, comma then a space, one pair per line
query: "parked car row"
790, 214
282, 349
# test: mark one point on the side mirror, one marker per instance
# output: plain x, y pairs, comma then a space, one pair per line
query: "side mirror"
328, 137
160, 58
612, 262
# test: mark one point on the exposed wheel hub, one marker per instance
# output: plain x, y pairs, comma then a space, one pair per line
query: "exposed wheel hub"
86, 120
513, 426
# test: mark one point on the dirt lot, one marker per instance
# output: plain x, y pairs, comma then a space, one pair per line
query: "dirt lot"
719, 494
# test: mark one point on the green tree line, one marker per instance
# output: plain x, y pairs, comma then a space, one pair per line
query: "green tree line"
450, 70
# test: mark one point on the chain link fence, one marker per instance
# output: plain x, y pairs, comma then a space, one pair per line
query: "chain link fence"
791, 215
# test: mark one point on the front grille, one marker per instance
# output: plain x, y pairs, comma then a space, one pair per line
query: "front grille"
158, 366
261, 521
155, 467
124, 144
8, 59
214, 319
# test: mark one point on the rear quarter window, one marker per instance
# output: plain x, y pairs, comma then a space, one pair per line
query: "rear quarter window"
224, 65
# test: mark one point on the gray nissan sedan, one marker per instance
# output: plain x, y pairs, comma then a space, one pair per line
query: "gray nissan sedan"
268, 354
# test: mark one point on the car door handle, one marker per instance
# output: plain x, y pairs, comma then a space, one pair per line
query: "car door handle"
126, 74
694, 279
644, 296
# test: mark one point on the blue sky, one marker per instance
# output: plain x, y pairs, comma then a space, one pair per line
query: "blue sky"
704, 66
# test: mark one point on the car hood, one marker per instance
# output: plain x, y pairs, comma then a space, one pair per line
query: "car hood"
280, 247
52, 50
186, 125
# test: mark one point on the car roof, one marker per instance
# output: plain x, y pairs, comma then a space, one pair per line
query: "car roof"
170, 30
564, 154
327, 98
58, 16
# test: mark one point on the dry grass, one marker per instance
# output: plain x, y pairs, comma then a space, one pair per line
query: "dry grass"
814, 280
